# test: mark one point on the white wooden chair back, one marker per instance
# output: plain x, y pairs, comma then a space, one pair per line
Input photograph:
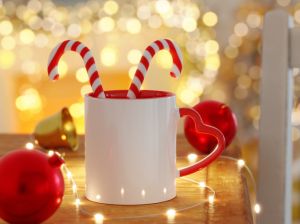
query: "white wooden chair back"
280, 53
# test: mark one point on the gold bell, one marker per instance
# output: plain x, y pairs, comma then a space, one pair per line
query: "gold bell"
57, 131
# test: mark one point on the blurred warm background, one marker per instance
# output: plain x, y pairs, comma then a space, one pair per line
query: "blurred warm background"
214, 41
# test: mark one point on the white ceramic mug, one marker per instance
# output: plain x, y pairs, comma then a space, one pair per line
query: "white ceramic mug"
130, 147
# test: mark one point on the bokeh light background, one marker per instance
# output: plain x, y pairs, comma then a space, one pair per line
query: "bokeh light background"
117, 33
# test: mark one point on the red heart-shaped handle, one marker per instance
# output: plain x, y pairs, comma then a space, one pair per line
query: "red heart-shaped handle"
201, 127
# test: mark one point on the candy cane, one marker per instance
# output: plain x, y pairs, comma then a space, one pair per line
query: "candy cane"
87, 57
143, 66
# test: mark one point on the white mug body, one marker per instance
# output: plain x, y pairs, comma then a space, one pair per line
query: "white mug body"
130, 149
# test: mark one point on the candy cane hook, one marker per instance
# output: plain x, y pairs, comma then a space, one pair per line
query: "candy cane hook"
143, 66
87, 57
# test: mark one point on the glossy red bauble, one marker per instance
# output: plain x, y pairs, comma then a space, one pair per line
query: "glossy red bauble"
217, 115
32, 186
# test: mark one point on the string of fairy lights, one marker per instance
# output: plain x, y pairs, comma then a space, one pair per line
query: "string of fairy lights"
170, 213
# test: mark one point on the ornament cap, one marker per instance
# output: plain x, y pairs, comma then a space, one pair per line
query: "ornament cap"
55, 160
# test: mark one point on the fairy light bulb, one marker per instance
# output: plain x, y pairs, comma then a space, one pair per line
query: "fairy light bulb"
241, 163
74, 188
77, 202
192, 157
202, 184
69, 175
211, 198
50, 153
257, 208
171, 213
29, 146
98, 218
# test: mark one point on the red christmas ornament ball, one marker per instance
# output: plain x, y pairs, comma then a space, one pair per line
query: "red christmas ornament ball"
216, 114
32, 186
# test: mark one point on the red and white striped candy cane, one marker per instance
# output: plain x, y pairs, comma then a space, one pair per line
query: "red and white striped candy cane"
143, 66
87, 57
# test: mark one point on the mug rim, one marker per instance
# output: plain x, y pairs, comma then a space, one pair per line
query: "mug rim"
144, 95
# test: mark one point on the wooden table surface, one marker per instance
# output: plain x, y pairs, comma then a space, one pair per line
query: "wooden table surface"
231, 205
